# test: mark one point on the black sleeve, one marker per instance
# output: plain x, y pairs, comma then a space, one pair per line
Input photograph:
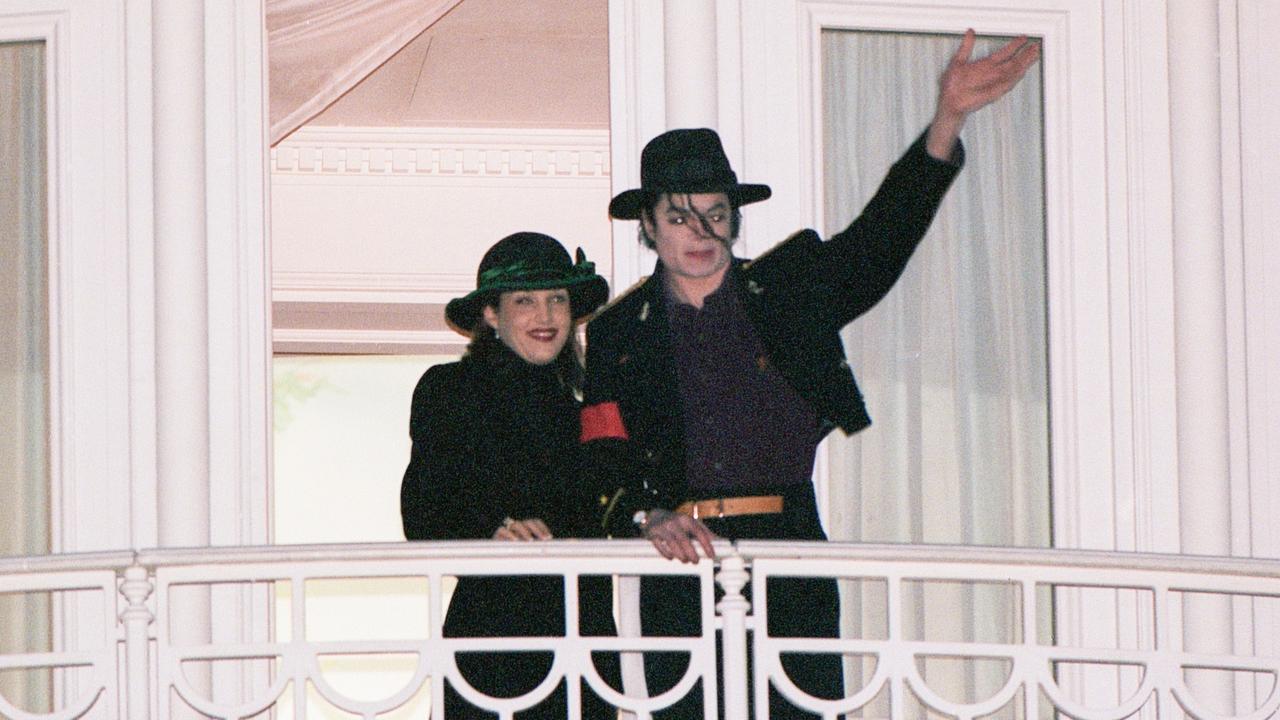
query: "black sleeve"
612, 465
441, 494
859, 265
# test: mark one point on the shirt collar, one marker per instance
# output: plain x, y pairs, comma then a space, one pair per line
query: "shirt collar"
721, 297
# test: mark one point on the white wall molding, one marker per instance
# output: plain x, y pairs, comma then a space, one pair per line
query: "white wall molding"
447, 152
330, 287
377, 341
1259, 146
238, 269
1139, 179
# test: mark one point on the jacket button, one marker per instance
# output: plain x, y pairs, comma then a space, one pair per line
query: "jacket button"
648, 454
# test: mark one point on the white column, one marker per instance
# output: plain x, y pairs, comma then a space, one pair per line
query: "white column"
181, 306
1200, 303
690, 60
1200, 324
182, 377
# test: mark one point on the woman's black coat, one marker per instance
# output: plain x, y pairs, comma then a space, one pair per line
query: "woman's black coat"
495, 437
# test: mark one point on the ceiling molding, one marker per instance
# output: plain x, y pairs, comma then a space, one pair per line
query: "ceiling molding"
444, 152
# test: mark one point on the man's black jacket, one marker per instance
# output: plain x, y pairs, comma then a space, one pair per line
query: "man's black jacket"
797, 296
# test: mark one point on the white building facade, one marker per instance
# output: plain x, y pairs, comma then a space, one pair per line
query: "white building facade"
1162, 251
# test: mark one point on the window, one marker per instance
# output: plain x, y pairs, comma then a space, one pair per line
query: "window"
24, 356
954, 361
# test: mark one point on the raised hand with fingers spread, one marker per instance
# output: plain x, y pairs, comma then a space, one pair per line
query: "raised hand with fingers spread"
968, 85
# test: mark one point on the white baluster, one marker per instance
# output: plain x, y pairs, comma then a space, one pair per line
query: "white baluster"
733, 607
137, 618
631, 663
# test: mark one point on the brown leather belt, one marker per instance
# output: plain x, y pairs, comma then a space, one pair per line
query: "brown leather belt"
726, 507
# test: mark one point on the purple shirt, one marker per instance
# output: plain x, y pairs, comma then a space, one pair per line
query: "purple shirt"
747, 431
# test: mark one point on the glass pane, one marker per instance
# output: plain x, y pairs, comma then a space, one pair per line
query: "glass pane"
341, 445
24, 364
953, 362
24, 358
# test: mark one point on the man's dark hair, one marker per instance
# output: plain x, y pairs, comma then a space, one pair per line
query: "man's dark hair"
650, 201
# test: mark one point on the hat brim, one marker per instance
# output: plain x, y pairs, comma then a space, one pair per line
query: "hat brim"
628, 204
586, 294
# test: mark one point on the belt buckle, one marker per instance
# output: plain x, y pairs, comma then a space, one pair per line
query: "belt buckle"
714, 508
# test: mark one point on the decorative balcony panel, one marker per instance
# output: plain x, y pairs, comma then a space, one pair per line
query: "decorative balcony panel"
186, 632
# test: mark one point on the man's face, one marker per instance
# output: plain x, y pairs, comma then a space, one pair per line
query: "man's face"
691, 234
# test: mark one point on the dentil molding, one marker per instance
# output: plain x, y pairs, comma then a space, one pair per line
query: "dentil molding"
444, 152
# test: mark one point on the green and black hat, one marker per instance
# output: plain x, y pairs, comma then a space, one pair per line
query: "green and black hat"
529, 261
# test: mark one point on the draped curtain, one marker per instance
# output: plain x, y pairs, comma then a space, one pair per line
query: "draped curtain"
954, 361
320, 49
24, 352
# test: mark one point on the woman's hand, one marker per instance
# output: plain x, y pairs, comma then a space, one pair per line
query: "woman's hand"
673, 534
524, 530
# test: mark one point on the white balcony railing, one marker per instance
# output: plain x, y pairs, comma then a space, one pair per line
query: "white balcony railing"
1090, 635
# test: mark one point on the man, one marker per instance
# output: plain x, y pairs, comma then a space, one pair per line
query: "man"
710, 385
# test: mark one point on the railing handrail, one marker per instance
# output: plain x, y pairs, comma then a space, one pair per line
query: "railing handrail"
1039, 557
421, 549
465, 549
67, 562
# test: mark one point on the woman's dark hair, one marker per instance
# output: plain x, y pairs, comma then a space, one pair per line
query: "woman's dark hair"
485, 347
650, 201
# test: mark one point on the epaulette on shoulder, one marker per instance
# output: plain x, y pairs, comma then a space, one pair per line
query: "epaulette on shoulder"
801, 240
617, 300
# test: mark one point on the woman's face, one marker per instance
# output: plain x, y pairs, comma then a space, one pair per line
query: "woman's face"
535, 324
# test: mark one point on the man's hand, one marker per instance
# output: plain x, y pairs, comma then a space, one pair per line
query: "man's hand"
524, 530
968, 85
674, 535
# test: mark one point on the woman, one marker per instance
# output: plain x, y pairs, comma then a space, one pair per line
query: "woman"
495, 455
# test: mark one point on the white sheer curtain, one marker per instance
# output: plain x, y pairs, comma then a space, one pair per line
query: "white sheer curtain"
954, 361
24, 369
320, 49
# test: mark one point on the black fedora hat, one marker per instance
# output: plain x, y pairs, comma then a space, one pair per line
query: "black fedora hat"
529, 261
686, 160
